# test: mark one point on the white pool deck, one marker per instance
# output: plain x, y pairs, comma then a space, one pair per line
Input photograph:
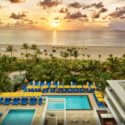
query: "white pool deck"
70, 114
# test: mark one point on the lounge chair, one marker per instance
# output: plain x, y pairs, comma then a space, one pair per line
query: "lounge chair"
1, 100
47, 90
17, 101
28, 90
62, 90
38, 90
25, 101
8, 102
31, 90
77, 90
87, 90
25, 90
68, 91
1, 114
81, 91
31, 101
43, 90
54, 90
6, 99
35, 90
34, 101
58, 90
14, 101
72, 90
51, 90
40, 101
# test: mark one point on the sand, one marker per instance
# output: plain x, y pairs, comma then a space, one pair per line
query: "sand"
94, 51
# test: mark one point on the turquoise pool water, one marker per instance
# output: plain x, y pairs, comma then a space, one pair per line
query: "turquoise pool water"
19, 117
55, 105
72, 102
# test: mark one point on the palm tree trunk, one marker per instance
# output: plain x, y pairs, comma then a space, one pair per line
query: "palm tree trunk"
70, 57
26, 51
11, 53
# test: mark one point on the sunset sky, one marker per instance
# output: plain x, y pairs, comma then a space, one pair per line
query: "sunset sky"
62, 14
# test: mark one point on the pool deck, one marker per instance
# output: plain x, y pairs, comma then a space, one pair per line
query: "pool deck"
70, 114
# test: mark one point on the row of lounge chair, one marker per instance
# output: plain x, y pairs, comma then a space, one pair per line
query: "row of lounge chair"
24, 101
100, 104
24, 86
32, 90
72, 90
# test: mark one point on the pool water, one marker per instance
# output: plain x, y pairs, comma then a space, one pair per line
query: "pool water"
72, 102
19, 117
55, 105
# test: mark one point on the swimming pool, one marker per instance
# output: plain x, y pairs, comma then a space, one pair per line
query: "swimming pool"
72, 102
18, 117
55, 105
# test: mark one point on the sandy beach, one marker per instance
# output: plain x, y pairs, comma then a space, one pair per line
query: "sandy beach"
94, 51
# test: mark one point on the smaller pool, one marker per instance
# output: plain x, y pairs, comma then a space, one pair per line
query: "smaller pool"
72, 102
55, 105
18, 117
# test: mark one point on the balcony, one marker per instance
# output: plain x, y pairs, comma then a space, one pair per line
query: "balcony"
116, 100
115, 112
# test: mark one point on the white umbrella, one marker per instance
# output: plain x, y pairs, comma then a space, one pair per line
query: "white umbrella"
88, 83
71, 83
44, 82
51, 82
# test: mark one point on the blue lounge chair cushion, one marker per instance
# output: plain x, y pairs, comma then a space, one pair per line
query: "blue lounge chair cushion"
1, 114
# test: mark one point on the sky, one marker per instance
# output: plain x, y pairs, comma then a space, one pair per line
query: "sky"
62, 14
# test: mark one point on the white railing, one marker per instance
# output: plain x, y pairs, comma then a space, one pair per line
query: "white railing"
116, 103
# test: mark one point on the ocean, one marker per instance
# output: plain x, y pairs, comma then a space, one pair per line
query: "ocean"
79, 38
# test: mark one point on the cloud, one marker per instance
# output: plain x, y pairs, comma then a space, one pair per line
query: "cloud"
95, 15
18, 16
75, 15
102, 10
49, 3
118, 13
75, 5
2, 7
64, 10
17, 1
116, 25
56, 18
96, 5
84, 20
105, 17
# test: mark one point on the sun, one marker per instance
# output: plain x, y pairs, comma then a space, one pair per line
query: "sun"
54, 24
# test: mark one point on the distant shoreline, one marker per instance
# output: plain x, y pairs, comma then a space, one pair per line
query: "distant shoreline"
94, 51
56, 45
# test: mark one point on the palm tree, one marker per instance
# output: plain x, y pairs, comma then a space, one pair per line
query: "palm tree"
88, 56
103, 80
83, 55
65, 55
60, 75
86, 77
99, 56
39, 52
34, 47
51, 55
46, 54
22, 55
110, 55
70, 50
5, 82
11, 49
27, 55
25, 46
75, 54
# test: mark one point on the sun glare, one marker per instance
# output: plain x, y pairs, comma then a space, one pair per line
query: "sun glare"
54, 24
